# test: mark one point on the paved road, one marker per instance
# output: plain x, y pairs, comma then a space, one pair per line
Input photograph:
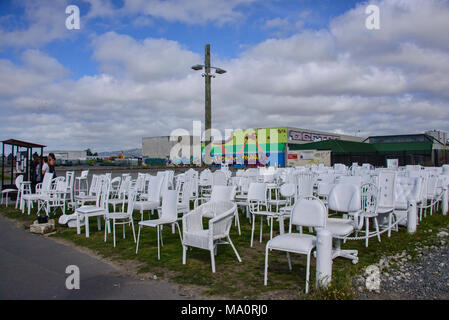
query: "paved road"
33, 267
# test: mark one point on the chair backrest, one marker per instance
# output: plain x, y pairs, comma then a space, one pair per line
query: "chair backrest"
257, 192
18, 181
369, 194
169, 202
408, 188
219, 178
308, 212
357, 180
432, 183
70, 178
154, 188
131, 199
222, 221
46, 182
222, 193
386, 185
305, 183
288, 190
94, 185
344, 198
116, 180
84, 174
103, 194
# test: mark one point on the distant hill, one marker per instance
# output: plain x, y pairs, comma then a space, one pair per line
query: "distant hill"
131, 153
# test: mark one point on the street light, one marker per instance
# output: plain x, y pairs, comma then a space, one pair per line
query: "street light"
208, 116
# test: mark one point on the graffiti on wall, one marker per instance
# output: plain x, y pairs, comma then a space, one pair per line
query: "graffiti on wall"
307, 136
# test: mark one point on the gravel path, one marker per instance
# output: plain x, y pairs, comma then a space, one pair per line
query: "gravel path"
426, 279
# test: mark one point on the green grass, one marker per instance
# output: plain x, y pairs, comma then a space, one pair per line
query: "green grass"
241, 280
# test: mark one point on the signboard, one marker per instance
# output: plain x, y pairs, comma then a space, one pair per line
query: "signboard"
294, 135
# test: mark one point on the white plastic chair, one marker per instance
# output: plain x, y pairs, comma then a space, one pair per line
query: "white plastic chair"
121, 218
98, 210
344, 198
218, 228
6, 192
42, 189
168, 215
258, 206
79, 180
153, 196
307, 212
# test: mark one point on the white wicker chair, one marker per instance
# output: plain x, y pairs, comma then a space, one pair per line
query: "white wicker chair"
195, 236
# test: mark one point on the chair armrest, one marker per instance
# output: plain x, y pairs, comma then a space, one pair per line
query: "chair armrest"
192, 221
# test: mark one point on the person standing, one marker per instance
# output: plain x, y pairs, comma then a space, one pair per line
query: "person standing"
45, 167
51, 164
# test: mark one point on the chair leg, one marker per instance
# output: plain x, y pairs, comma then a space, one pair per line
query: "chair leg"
106, 221
265, 278
138, 237
261, 227
235, 250
289, 261
307, 272
184, 254
86, 221
376, 224
134, 232
252, 230
158, 244
113, 230
366, 231
212, 259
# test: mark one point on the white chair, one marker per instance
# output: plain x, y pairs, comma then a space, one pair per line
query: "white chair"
79, 181
385, 201
344, 198
258, 206
122, 192
121, 218
42, 189
222, 193
308, 212
115, 187
98, 210
70, 182
305, 182
81, 198
218, 228
153, 196
6, 192
55, 198
168, 215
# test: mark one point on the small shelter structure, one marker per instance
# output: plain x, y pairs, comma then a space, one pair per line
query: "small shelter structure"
19, 159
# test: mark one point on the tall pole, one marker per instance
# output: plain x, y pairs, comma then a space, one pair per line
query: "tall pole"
208, 115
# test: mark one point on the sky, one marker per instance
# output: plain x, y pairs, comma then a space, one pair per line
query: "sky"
126, 72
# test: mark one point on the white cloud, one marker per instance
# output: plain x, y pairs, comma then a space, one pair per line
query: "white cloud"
343, 79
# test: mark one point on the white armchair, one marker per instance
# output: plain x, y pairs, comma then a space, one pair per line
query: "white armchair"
195, 236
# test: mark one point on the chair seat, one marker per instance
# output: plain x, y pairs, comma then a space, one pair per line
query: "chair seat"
339, 227
117, 216
32, 196
265, 213
384, 209
117, 201
156, 222
89, 209
293, 242
9, 190
146, 205
85, 198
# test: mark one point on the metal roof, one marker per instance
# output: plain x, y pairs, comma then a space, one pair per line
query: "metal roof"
23, 144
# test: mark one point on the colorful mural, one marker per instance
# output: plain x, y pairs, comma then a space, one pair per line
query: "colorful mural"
252, 147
